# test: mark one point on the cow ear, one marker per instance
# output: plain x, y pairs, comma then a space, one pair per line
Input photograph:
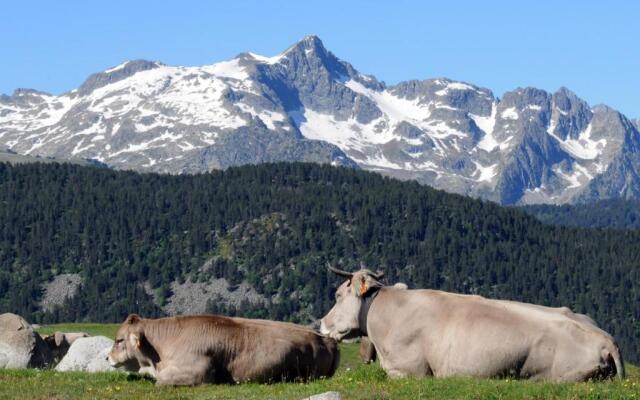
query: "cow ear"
132, 319
59, 338
364, 286
134, 340
363, 283
360, 285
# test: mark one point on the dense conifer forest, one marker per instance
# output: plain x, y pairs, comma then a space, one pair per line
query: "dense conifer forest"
614, 213
276, 226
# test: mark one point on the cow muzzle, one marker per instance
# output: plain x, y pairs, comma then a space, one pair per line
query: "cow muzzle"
112, 362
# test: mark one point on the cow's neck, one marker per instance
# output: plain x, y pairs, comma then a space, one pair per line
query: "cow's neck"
367, 300
154, 335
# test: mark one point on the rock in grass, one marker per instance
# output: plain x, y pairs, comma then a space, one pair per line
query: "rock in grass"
59, 343
325, 396
20, 346
88, 355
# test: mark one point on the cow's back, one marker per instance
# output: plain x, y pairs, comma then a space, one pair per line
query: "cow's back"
451, 334
277, 351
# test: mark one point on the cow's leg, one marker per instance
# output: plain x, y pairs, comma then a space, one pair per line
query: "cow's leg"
187, 375
394, 373
403, 371
571, 360
367, 350
400, 367
592, 369
576, 375
148, 371
563, 369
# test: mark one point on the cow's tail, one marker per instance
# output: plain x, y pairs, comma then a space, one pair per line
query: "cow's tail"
618, 361
615, 356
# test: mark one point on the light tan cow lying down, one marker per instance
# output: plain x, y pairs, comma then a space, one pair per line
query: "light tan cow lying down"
430, 332
191, 350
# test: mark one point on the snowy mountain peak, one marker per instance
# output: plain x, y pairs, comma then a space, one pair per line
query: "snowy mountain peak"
115, 74
308, 44
305, 104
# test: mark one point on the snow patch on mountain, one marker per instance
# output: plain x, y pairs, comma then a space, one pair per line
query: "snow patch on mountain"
485, 174
266, 60
116, 68
584, 147
487, 124
348, 134
396, 108
454, 86
510, 113
49, 111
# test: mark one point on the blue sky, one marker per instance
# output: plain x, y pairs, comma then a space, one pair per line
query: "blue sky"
591, 47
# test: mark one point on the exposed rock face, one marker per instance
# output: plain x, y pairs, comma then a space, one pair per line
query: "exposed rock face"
305, 104
88, 355
59, 289
20, 346
9, 156
192, 297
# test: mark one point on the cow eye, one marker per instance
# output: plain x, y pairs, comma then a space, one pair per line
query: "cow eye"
118, 341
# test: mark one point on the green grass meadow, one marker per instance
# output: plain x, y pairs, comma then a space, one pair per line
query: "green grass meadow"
353, 380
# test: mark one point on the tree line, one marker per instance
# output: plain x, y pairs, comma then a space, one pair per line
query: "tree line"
276, 226
611, 213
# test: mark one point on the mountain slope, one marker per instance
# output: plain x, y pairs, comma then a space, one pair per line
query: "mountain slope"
305, 104
11, 157
610, 214
138, 242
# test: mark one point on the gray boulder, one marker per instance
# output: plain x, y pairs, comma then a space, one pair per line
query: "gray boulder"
325, 396
20, 346
88, 355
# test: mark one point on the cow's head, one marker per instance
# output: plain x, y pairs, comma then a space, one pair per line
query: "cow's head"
126, 351
342, 321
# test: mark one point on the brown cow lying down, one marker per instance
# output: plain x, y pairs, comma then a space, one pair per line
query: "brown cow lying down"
192, 350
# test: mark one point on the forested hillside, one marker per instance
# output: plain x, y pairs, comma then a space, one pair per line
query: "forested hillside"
614, 213
275, 226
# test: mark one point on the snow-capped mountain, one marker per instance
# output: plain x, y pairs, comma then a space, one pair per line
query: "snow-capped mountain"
305, 104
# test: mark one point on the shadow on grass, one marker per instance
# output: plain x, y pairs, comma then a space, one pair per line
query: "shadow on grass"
139, 378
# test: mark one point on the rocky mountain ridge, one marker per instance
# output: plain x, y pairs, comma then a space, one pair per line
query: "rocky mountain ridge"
305, 104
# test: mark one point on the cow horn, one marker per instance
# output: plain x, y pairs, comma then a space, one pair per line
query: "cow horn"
339, 272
